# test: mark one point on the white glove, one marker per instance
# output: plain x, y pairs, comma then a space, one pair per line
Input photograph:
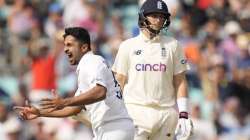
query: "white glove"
184, 129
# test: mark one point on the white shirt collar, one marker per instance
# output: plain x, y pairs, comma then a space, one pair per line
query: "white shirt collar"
146, 39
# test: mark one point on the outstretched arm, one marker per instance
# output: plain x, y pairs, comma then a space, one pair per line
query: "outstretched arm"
31, 112
95, 94
65, 112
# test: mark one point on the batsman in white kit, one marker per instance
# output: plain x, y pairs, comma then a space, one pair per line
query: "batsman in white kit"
151, 71
98, 93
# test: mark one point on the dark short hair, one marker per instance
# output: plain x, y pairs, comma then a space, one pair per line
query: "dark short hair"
81, 34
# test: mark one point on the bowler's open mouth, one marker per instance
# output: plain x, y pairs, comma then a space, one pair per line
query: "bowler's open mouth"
69, 55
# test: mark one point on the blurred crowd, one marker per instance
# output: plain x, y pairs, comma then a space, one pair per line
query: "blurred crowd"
215, 35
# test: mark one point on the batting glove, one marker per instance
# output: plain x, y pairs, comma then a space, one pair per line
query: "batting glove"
184, 128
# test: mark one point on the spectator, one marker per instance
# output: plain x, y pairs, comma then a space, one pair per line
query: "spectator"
43, 69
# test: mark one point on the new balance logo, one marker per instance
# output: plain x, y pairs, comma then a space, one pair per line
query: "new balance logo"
138, 52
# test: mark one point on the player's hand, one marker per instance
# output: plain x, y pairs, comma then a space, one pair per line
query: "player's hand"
184, 128
27, 112
56, 103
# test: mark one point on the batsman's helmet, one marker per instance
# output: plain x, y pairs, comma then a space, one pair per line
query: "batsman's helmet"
153, 6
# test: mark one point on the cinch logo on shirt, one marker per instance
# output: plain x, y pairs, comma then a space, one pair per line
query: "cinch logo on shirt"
151, 67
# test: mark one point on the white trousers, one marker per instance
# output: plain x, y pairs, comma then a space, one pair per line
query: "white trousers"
153, 123
122, 129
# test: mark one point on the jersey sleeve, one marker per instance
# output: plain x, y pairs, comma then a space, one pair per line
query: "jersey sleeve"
121, 63
100, 74
180, 61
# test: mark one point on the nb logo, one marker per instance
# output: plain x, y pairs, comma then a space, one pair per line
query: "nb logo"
159, 5
138, 52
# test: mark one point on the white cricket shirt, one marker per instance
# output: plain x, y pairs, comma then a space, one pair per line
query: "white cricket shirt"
91, 70
150, 66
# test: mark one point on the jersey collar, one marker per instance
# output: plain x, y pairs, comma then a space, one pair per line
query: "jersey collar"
147, 40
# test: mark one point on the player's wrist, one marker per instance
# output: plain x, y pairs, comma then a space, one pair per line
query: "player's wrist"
183, 115
66, 102
39, 112
182, 104
43, 112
